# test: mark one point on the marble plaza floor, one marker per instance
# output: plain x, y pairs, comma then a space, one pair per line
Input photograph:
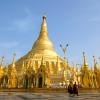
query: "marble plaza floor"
47, 96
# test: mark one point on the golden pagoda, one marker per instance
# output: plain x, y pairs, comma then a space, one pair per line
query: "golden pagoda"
88, 77
53, 64
43, 67
85, 82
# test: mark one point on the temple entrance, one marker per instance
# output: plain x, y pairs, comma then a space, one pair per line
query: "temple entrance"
40, 82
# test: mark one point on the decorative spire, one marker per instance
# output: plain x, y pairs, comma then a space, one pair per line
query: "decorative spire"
13, 61
95, 62
43, 31
43, 42
85, 60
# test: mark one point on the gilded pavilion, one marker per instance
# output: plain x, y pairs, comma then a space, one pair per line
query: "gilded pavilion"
43, 67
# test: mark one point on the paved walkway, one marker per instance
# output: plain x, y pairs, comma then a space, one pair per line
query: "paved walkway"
47, 96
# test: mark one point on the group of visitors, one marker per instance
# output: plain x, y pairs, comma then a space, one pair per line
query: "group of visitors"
73, 89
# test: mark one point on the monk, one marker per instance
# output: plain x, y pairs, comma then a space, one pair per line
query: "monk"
75, 89
70, 88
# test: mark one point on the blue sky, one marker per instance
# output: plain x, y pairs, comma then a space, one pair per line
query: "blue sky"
76, 22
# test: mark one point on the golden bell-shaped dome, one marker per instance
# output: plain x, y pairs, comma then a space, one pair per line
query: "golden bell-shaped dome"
43, 45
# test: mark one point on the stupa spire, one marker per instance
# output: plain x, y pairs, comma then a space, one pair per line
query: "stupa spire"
43, 42
85, 60
43, 31
13, 61
95, 62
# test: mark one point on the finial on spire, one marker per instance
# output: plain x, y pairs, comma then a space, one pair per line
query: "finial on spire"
44, 16
43, 30
14, 56
83, 54
85, 60
95, 62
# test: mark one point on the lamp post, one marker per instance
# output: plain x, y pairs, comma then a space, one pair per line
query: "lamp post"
64, 49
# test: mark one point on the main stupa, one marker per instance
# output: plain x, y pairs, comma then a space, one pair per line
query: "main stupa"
42, 48
43, 53
43, 67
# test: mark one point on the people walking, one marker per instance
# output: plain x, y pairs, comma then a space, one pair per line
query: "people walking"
75, 89
70, 89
